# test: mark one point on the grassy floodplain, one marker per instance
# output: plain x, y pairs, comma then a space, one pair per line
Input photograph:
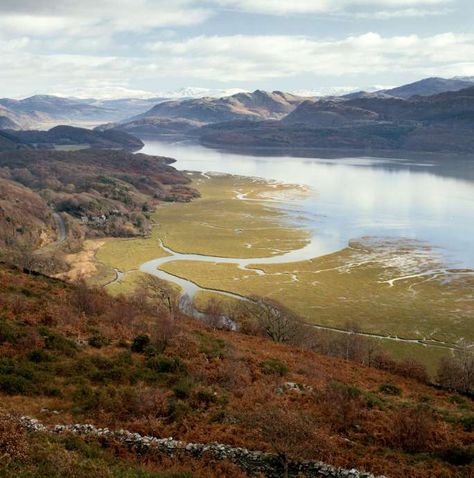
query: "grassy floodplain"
354, 285
216, 224
389, 288
220, 224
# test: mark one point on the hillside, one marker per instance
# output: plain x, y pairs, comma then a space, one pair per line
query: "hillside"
256, 105
25, 218
96, 193
9, 141
63, 136
71, 354
429, 87
10, 119
439, 123
39, 110
184, 115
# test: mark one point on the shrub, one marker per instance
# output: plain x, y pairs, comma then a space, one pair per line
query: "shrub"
409, 368
468, 423
390, 389
55, 341
140, 342
163, 364
8, 333
150, 351
97, 341
274, 366
13, 440
182, 389
290, 433
413, 429
39, 356
456, 372
343, 405
412, 369
122, 402
458, 456
205, 397
15, 385
177, 410
52, 391
212, 347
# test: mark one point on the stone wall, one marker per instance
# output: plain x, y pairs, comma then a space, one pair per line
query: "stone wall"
251, 461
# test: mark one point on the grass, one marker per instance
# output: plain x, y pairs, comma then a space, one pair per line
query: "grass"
56, 457
128, 254
128, 284
326, 291
219, 224
350, 285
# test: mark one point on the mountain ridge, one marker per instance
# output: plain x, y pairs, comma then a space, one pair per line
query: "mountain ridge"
438, 123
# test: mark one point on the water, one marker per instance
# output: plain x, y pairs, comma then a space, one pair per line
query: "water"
430, 200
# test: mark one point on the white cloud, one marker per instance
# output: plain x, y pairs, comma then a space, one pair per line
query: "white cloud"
72, 17
403, 13
283, 7
253, 58
99, 17
246, 59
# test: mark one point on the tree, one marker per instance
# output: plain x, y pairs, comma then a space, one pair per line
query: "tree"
161, 294
274, 321
166, 301
456, 372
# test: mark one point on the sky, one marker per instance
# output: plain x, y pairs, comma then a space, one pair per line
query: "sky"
120, 48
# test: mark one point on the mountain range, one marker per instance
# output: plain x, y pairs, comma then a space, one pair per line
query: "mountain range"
183, 117
438, 123
185, 107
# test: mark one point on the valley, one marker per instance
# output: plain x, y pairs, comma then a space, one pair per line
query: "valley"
237, 239
252, 237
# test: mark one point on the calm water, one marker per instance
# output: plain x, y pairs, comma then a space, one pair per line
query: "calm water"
427, 200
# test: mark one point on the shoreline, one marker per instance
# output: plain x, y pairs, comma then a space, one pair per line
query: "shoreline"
308, 152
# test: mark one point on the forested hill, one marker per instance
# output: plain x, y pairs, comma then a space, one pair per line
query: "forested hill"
96, 192
68, 136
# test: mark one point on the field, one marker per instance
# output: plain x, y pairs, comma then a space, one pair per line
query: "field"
393, 289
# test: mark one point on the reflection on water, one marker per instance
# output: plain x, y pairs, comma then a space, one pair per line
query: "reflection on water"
426, 199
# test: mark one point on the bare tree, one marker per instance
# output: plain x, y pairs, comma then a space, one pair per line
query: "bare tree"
456, 372
161, 294
165, 299
274, 321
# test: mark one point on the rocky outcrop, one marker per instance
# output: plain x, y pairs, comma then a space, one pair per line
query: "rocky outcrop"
251, 461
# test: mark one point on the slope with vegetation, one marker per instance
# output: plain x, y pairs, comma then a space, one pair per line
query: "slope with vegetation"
96, 192
185, 116
46, 110
439, 123
68, 136
74, 354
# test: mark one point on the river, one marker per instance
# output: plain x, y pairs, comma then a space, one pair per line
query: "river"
429, 200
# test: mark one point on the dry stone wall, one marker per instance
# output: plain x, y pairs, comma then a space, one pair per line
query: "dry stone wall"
251, 461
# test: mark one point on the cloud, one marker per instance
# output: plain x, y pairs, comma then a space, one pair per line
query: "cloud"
284, 7
46, 17
254, 58
99, 17
243, 59
404, 13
